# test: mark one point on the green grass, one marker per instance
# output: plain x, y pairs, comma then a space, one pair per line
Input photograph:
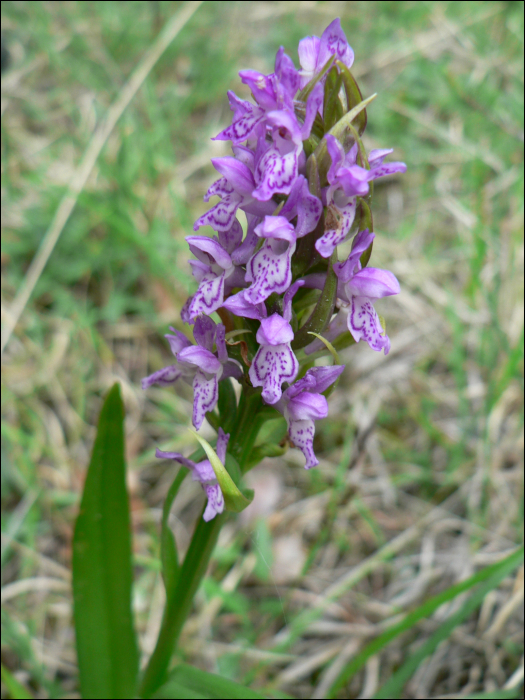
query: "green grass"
422, 451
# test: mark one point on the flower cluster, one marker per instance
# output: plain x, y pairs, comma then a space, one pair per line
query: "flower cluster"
302, 177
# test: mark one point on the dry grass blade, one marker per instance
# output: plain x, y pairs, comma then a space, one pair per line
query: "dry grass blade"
99, 138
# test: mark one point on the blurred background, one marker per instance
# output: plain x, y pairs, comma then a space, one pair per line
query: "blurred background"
420, 481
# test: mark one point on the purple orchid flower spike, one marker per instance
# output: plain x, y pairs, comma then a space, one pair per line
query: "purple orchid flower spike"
275, 361
303, 403
359, 287
197, 363
347, 181
315, 52
235, 189
203, 472
269, 270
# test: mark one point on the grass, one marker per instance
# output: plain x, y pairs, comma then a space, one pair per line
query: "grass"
420, 482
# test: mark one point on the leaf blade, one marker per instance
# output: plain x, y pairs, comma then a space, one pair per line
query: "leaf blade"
102, 571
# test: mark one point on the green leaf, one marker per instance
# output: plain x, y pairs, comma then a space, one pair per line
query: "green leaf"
102, 572
176, 691
422, 612
15, 689
208, 685
168, 547
353, 95
332, 107
234, 500
516, 692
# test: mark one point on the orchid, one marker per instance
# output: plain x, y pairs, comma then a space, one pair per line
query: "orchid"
359, 287
198, 363
203, 472
302, 179
347, 181
302, 403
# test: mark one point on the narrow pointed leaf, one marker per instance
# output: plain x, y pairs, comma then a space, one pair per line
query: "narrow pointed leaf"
209, 684
16, 690
353, 95
102, 572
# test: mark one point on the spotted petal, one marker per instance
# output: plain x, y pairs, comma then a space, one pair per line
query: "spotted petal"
205, 395
302, 435
275, 173
209, 296
215, 501
333, 42
269, 270
363, 323
272, 366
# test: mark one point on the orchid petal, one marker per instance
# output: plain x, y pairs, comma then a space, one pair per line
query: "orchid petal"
245, 121
201, 358
324, 376
222, 444
313, 103
176, 456
231, 240
286, 72
287, 301
270, 272
240, 306
275, 173
215, 503
209, 296
205, 396
222, 216
302, 435
203, 471
338, 222
274, 330
178, 341
307, 406
163, 377
204, 332
211, 248
337, 154
373, 283
273, 365
306, 206
333, 42
363, 323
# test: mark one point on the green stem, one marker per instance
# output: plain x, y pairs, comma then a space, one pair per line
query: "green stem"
178, 605
193, 569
